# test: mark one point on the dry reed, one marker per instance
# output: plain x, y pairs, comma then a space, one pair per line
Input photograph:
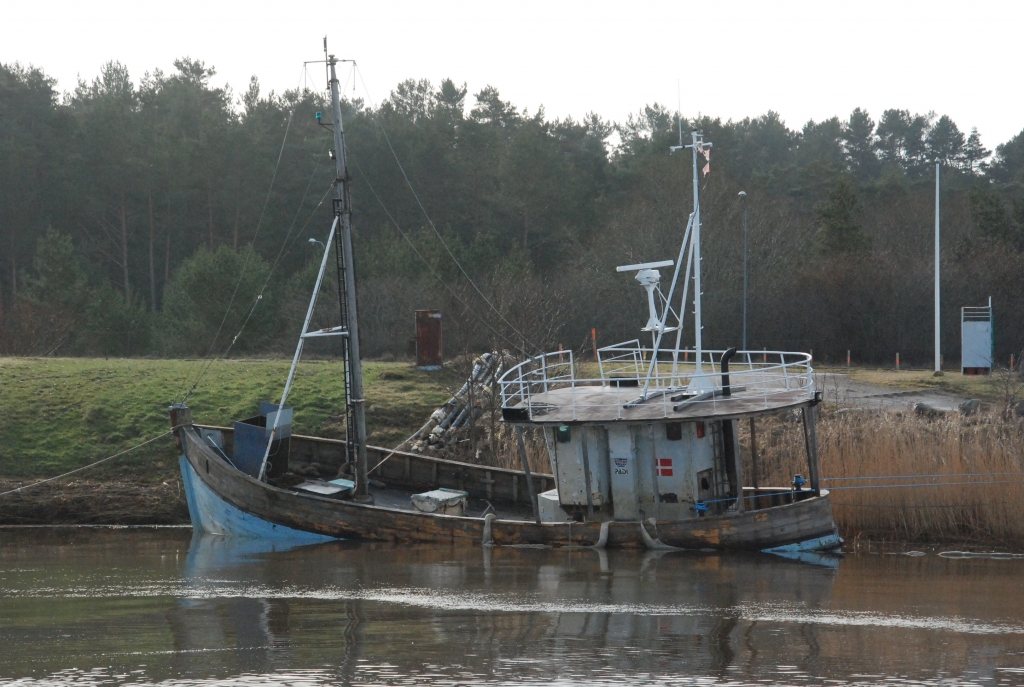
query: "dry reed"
967, 473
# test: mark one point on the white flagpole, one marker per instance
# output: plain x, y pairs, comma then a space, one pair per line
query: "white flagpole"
938, 328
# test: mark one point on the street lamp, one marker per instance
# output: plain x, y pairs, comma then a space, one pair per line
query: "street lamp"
320, 242
938, 354
743, 200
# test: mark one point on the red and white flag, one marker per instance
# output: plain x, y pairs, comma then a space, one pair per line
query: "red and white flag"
665, 467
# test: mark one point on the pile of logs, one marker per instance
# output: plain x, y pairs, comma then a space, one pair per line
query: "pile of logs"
445, 425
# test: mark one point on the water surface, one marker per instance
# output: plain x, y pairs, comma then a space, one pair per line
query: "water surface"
145, 607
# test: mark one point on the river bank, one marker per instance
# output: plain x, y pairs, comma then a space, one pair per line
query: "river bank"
64, 413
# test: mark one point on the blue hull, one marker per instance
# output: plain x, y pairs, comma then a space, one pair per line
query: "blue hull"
213, 515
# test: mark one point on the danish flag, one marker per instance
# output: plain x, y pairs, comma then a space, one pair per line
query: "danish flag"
665, 467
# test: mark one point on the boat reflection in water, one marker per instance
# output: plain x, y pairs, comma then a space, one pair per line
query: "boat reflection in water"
151, 607
251, 606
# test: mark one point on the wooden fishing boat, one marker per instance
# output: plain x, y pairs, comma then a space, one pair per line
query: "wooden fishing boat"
643, 443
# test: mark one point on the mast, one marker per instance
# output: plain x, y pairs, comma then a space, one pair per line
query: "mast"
698, 382
349, 307
696, 256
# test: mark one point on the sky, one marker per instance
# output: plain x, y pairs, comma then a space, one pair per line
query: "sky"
804, 60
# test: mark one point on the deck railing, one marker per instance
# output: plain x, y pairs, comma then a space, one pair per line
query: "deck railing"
623, 371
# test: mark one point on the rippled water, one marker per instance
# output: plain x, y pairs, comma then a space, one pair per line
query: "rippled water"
144, 607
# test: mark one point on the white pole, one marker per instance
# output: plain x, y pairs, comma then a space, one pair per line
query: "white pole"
298, 351
695, 237
938, 328
743, 199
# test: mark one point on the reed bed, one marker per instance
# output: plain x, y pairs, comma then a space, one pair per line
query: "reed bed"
932, 479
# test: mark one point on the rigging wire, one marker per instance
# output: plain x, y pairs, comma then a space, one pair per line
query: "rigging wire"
304, 73
430, 267
925, 484
265, 283
937, 475
259, 296
431, 222
248, 257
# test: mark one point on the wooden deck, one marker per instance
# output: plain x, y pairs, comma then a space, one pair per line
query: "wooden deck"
618, 404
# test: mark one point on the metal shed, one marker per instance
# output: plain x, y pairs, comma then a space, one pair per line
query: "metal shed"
428, 340
977, 341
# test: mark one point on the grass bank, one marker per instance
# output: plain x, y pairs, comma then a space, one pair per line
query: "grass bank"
63, 413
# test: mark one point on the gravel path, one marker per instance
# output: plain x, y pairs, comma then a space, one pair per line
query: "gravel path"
839, 388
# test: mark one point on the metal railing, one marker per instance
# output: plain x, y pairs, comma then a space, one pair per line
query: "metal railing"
609, 387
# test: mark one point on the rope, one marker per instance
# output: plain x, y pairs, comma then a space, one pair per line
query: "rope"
431, 222
86, 467
746, 496
897, 505
388, 456
926, 484
940, 475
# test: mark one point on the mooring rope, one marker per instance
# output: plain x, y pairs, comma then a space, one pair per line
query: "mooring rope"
90, 465
394, 451
928, 484
937, 475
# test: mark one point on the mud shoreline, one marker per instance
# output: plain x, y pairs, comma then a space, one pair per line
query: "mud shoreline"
94, 502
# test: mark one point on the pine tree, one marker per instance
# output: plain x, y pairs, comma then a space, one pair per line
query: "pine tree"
839, 229
858, 136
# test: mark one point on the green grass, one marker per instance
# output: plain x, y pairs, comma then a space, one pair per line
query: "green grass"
60, 413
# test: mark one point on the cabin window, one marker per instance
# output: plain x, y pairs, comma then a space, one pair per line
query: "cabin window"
700, 430
674, 431
563, 434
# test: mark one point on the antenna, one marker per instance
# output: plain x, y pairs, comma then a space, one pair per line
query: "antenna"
649, 277
679, 111
645, 266
327, 67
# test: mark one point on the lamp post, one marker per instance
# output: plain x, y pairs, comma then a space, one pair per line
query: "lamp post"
743, 200
938, 353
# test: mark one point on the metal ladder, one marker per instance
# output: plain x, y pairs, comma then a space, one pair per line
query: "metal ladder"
720, 473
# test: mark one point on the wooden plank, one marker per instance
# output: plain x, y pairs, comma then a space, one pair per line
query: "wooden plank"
607, 404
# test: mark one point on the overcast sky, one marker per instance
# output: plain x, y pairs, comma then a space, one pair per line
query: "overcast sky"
805, 60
